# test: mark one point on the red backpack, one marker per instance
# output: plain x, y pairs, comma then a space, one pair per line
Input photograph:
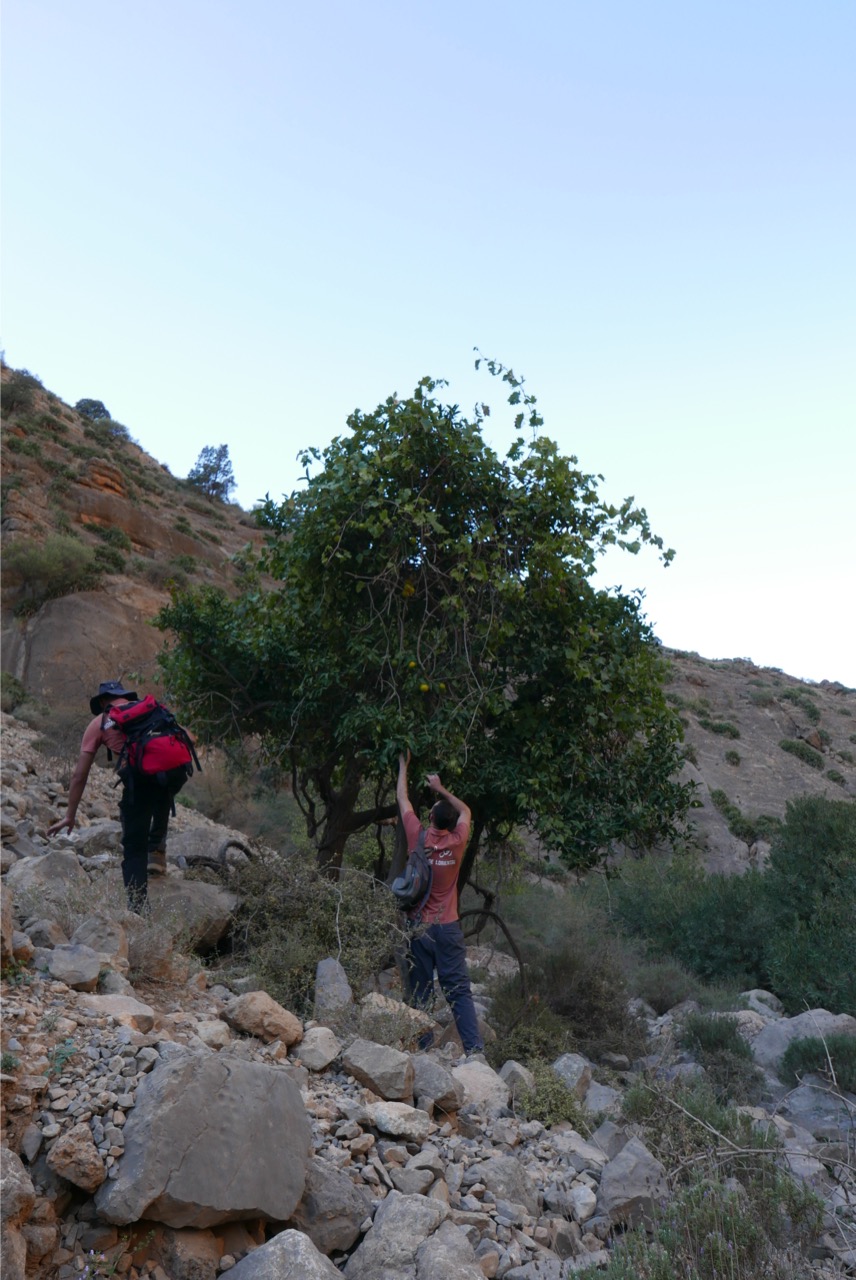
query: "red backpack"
156, 746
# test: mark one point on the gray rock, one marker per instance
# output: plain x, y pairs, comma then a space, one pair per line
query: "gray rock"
432, 1082
318, 1048
288, 1256
17, 1193
602, 1098
7, 929
575, 1073
190, 1255
447, 1255
518, 1078
632, 1185
205, 909
50, 879
105, 935
400, 1226
385, 1071
212, 1138
610, 1138
102, 837
506, 1179
331, 1209
75, 965
45, 933
333, 994
763, 1002
770, 1044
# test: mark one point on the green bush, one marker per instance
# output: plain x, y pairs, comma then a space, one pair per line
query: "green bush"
183, 525
112, 534
12, 692
814, 1055
834, 776
186, 563
732, 758
808, 755
41, 571
664, 983
529, 1034
846, 756
290, 917
712, 924
802, 700
551, 1101
712, 1230
726, 1057
18, 392
762, 697
810, 887
110, 559
748, 829
723, 727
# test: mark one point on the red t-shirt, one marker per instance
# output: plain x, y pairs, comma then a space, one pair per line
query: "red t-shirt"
448, 851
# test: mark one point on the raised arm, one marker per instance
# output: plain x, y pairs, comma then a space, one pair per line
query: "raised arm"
464, 814
401, 795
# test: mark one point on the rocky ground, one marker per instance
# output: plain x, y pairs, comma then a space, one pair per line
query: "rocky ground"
157, 1121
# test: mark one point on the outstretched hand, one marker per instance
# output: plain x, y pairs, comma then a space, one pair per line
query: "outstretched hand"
63, 822
433, 780
404, 758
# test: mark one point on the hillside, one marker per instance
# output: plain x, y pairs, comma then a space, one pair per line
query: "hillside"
94, 531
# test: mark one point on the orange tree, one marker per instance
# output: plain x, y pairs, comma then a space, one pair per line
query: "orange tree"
428, 593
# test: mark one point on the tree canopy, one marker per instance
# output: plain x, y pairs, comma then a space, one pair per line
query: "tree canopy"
212, 472
420, 591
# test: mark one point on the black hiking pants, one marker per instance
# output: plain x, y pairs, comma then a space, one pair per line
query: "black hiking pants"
144, 812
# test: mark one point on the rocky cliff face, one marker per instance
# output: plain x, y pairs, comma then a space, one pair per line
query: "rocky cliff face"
85, 492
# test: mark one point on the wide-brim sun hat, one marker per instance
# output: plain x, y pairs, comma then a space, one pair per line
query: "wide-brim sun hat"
110, 689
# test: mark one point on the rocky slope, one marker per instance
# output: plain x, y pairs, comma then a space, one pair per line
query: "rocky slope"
159, 1122
91, 485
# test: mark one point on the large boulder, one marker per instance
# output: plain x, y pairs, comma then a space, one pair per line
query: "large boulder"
483, 1088
447, 1255
434, 1083
400, 1226
48, 880
288, 1256
333, 994
385, 1071
771, 1042
632, 1185
506, 1179
212, 1138
7, 929
76, 965
258, 1014
74, 1156
205, 911
17, 1198
575, 1073
332, 1209
318, 1048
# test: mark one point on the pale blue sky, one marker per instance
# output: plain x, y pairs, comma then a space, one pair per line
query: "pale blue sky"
235, 222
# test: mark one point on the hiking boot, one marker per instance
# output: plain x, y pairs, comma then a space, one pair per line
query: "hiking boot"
157, 862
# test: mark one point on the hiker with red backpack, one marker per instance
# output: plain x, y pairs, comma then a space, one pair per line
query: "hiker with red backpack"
436, 937
155, 757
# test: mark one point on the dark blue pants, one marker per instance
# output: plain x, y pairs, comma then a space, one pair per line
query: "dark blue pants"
144, 812
441, 947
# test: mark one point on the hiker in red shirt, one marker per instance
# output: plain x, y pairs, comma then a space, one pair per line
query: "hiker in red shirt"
145, 806
440, 945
